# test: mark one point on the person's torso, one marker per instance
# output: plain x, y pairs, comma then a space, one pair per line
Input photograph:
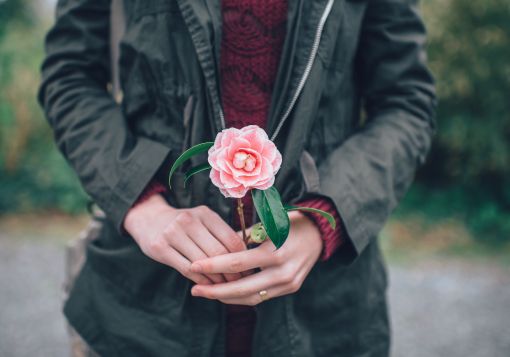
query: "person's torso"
169, 69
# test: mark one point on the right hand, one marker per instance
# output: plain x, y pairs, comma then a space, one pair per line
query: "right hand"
178, 237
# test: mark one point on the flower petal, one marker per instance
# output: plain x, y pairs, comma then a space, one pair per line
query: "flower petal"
228, 180
277, 162
265, 174
228, 135
237, 192
235, 145
214, 175
256, 136
265, 185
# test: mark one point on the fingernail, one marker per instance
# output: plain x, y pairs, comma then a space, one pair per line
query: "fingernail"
195, 291
196, 268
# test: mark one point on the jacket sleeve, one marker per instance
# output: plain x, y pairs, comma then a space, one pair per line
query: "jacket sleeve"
113, 164
369, 173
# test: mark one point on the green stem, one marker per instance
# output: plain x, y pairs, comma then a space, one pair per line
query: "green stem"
240, 211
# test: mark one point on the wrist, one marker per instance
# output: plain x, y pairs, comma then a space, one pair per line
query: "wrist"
332, 238
138, 215
308, 225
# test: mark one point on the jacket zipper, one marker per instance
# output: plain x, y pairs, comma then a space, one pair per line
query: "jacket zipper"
308, 68
306, 73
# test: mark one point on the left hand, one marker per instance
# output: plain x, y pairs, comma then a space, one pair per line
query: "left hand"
282, 271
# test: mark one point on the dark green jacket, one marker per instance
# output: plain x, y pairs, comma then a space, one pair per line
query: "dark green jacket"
339, 56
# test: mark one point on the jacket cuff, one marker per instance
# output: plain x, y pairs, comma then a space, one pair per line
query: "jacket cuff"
332, 238
153, 188
143, 166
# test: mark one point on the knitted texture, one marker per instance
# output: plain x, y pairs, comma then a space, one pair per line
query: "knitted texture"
332, 238
253, 35
154, 187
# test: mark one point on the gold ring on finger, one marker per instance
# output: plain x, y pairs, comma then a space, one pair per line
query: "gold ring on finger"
263, 295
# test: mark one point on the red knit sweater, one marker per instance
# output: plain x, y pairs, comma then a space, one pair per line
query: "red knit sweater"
253, 36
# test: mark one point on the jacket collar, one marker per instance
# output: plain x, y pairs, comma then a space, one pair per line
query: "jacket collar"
201, 26
203, 19
303, 22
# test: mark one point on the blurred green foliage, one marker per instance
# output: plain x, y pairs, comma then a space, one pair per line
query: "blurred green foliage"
487, 221
468, 171
467, 175
33, 175
469, 53
12, 11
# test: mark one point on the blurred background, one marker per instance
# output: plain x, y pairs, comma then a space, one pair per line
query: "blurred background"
447, 245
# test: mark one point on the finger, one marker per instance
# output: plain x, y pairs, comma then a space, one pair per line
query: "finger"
247, 231
222, 231
264, 280
175, 260
248, 272
180, 241
240, 234
209, 245
255, 299
260, 257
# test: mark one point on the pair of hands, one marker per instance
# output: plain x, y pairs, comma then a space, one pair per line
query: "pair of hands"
205, 249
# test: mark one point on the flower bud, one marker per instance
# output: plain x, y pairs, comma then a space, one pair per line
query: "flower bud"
258, 233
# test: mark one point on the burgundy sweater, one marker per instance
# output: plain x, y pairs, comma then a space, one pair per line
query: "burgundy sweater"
253, 36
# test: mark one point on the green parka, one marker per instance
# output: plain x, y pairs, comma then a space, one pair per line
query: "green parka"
339, 57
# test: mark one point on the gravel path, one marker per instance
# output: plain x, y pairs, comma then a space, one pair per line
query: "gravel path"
451, 309
31, 276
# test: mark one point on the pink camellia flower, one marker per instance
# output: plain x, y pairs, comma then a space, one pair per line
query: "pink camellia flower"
243, 159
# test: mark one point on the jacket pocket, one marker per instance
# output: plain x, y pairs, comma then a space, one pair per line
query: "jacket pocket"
309, 172
134, 277
186, 121
153, 7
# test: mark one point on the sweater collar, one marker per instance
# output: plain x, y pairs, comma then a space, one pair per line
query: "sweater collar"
203, 19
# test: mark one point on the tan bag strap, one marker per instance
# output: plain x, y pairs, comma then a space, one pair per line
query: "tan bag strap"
117, 29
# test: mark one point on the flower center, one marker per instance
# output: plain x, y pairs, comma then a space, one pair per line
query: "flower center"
245, 161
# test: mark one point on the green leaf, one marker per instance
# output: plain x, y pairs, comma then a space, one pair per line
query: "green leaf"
273, 216
324, 214
195, 170
194, 150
